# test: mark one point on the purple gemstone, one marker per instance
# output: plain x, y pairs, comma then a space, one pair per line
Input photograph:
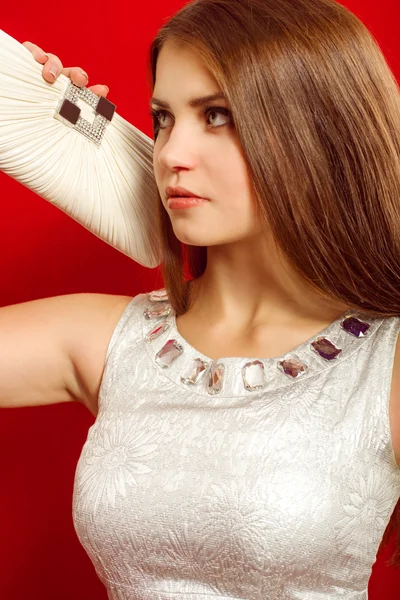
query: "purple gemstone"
325, 348
293, 367
355, 327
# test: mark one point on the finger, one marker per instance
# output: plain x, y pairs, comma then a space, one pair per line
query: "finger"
99, 90
52, 68
38, 54
77, 75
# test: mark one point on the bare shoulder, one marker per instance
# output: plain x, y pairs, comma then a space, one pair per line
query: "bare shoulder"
95, 317
394, 406
52, 350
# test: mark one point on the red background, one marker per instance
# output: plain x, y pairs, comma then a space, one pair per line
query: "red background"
44, 253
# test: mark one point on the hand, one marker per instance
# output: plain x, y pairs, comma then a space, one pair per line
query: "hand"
53, 67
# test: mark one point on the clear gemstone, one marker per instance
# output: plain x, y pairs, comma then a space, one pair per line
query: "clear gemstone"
253, 374
195, 372
293, 367
355, 327
216, 378
157, 331
169, 353
325, 348
156, 312
158, 296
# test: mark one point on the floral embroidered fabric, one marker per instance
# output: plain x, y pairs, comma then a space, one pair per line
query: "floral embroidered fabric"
279, 489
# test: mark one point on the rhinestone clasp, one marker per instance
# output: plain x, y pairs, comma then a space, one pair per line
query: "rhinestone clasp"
69, 112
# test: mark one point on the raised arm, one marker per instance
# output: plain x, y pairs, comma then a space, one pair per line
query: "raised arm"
53, 350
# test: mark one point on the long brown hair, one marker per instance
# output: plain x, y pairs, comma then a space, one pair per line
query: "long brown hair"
317, 111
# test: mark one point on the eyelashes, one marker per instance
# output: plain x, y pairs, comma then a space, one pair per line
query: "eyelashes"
208, 110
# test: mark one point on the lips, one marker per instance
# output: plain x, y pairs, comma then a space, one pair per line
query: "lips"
180, 192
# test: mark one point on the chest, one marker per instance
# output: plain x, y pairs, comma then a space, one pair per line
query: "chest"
277, 342
234, 494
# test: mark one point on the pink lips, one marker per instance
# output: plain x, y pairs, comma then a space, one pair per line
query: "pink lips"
177, 203
179, 198
179, 191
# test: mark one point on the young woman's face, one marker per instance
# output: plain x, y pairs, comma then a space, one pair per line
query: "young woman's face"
197, 148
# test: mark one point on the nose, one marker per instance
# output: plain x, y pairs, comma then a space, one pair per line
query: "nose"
178, 152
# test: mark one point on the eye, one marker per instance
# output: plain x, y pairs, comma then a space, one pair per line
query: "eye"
157, 116
218, 111
216, 116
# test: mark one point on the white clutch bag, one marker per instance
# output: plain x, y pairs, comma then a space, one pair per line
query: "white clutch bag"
71, 148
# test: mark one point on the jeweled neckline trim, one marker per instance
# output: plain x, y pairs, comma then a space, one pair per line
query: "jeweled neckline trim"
240, 376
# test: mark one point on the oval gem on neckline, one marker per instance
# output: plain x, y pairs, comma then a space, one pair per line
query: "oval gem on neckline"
157, 331
325, 348
355, 327
158, 310
158, 296
169, 353
216, 376
195, 372
292, 367
253, 374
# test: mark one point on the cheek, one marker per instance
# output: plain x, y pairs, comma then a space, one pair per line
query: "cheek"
234, 176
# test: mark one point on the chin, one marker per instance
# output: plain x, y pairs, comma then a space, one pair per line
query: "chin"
205, 240
201, 234
191, 235
193, 240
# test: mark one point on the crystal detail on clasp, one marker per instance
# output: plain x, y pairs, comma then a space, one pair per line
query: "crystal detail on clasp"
158, 311
169, 353
80, 109
253, 374
158, 296
355, 327
195, 372
293, 367
325, 348
216, 375
157, 331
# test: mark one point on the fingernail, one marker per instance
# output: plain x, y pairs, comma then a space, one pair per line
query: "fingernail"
85, 74
54, 72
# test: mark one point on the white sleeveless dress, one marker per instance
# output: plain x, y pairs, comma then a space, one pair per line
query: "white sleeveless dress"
238, 479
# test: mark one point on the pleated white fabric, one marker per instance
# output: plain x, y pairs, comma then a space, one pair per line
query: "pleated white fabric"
109, 189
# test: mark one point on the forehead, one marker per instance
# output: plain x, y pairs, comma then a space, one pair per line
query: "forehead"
180, 70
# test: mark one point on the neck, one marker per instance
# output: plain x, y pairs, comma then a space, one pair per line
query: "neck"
250, 283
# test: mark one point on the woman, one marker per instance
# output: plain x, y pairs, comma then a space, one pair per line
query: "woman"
210, 471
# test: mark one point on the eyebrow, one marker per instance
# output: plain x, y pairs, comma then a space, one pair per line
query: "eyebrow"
195, 103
